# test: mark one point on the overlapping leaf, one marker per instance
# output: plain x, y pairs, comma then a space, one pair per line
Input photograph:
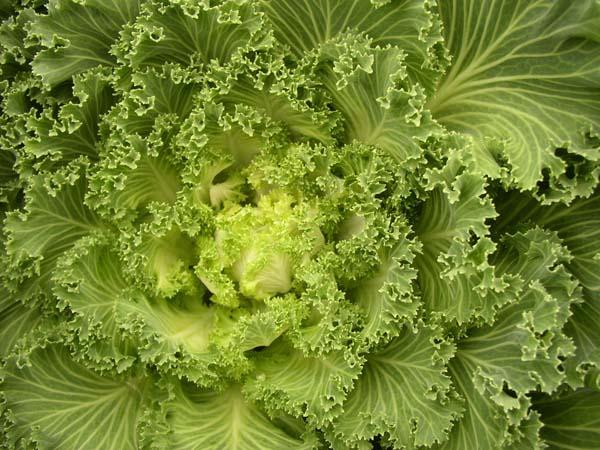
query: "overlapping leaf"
497, 365
405, 24
571, 421
526, 73
52, 223
577, 226
78, 36
56, 402
403, 391
230, 224
284, 376
199, 419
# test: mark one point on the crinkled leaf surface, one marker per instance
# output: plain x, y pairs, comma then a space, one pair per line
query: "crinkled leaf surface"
52, 223
571, 421
524, 72
58, 403
85, 33
284, 376
402, 390
332, 224
577, 226
203, 419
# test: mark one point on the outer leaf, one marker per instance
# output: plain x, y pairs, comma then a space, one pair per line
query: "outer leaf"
16, 320
60, 404
7, 173
274, 105
571, 421
493, 418
76, 131
131, 175
501, 351
403, 391
310, 387
207, 420
454, 274
484, 424
86, 32
6, 8
199, 34
406, 24
578, 225
529, 434
89, 282
166, 90
380, 105
7, 160
524, 72
92, 284
8, 181
331, 325
498, 364
53, 222
386, 299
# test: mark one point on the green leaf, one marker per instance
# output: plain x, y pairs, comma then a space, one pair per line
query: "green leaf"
131, 174
7, 173
527, 436
85, 33
6, 8
208, 420
9, 180
403, 391
54, 219
386, 299
526, 73
407, 24
276, 105
59, 403
380, 105
16, 320
523, 346
272, 318
497, 365
13, 40
583, 329
578, 225
158, 256
75, 133
198, 35
507, 352
309, 387
456, 280
91, 281
331, 322
165, 90
485, 423
571, 421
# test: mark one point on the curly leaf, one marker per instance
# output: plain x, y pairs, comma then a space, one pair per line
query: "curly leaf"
526, 73
200, 419
403, 391
58, 403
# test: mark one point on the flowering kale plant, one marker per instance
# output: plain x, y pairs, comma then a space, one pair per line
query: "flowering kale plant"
299, 224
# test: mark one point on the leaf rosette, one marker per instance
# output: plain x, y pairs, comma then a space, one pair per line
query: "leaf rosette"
343, 224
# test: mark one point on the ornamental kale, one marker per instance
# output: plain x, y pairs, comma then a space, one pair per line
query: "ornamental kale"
299, 224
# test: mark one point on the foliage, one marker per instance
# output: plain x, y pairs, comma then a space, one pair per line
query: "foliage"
299, 224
